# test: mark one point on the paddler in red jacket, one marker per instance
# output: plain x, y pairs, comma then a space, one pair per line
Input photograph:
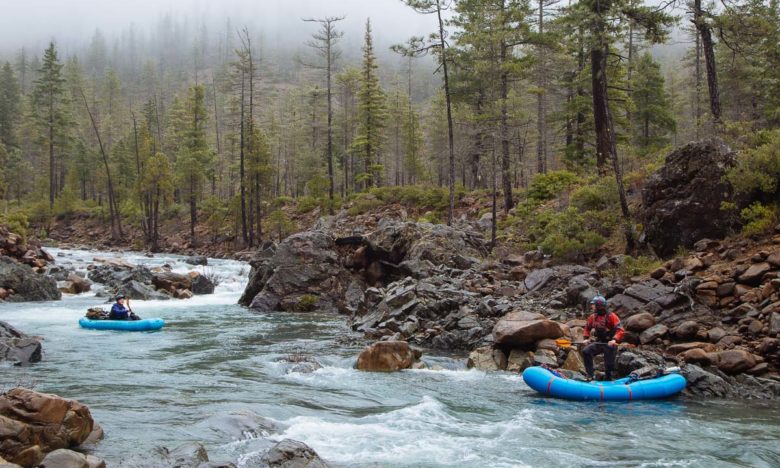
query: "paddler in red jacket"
604, 332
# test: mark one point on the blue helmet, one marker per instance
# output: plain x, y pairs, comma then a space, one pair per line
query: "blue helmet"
600, 302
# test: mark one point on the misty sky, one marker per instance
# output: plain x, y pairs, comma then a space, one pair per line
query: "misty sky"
32, 23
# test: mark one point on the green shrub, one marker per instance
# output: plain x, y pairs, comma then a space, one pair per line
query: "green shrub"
279, 202
280, 224
306, 204
602, 195
633, 266
548, 186
17, 222
307, 303
430, 217
317, 186
565, 235
758, 218
758, 169
364, 202
174, 211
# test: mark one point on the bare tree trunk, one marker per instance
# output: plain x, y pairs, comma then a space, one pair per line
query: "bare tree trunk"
541, 101
709, 58
113, 207
242, 171
448, 98
506, 178
606, 146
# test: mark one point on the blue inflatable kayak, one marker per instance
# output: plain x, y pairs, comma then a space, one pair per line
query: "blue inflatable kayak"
126, 325
544, 381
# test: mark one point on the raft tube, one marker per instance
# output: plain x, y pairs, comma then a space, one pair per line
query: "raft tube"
125, 325
547, 383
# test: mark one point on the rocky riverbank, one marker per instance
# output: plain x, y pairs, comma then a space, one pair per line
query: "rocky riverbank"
716, 310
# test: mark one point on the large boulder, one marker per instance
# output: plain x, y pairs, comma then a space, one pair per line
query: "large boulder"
386, 356
681, 202
639, 322
303, 270
34, 423
523, 329
293, 454
201, 284
171, 282
734, 361
17, 347
26, 283
136, 290
396, 241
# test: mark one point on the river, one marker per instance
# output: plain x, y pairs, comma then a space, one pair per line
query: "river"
214, 358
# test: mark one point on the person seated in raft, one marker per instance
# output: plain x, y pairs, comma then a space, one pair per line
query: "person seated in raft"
120, 312
604, 331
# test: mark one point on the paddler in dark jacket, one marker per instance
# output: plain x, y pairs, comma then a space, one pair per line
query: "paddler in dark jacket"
604, 331
119, 311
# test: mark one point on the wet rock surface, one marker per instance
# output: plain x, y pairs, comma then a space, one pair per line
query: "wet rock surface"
34, 424
17, 347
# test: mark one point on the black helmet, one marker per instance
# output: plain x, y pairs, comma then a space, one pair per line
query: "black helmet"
119, 296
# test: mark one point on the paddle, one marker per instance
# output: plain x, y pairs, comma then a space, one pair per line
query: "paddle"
564, 343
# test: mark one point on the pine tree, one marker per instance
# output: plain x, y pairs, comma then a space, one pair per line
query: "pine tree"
371, 99
325, 43
494, 29
51, 113
9, 107
194, 158
653, 116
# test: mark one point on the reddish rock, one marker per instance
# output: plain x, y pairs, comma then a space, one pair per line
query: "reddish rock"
519, 329
696, 356
639, 322
686, 330
37, 422
735, 361
730, 340
754, 274
683, 347
386, 356
716, 334
725, 289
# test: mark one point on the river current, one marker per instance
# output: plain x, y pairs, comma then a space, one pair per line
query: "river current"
215, 358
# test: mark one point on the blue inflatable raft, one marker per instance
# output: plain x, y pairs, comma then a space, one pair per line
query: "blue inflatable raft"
125, 325
548, 383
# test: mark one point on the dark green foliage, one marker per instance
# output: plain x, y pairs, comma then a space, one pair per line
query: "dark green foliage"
653, 119
550, 185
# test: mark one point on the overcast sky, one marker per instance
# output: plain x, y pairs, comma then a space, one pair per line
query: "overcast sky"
34, 22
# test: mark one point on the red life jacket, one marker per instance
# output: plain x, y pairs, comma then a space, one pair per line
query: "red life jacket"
607, 327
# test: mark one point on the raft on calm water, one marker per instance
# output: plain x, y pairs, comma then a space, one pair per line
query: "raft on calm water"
124, 325
546, 382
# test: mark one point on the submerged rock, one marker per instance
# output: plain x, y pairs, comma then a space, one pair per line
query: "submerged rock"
64, 458
293, 454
